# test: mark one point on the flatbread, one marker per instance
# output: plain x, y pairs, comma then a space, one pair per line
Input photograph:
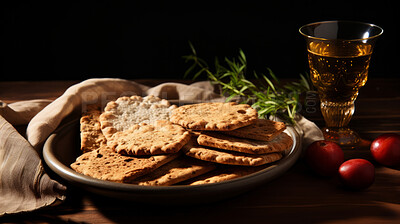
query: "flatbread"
194, 150
223, 174
262, 129
217, 140
90, 129
214, 116
105, 164
178, 170
123, 113
143, 139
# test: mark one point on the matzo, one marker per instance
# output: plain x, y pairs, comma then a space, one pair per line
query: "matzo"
194, 150
214, 116
224, 173
143, 139
91, 135
178, 170
123, 113
217, 140
105, 164
262, 129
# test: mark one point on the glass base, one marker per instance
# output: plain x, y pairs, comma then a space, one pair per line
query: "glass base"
345, 137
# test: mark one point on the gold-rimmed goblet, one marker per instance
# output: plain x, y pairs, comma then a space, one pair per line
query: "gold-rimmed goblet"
339, 54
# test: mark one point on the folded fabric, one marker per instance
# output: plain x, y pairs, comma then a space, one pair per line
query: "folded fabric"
24, 185
20, 113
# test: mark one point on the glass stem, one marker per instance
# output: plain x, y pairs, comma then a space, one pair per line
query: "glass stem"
337, 115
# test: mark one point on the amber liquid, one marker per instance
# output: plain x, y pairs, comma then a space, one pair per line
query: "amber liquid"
339, 71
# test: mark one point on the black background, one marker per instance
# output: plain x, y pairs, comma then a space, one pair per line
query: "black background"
64, 40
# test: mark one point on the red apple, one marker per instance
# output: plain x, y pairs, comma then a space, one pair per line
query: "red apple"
357, 173
386, 149
324, 157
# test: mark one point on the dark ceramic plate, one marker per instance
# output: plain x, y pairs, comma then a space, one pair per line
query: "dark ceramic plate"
63, 147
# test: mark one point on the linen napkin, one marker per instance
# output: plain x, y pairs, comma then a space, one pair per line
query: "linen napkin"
24, 186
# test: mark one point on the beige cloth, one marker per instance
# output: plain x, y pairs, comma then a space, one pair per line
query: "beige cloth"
24, 186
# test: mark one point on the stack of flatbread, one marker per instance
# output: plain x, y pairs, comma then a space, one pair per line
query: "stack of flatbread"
148, 141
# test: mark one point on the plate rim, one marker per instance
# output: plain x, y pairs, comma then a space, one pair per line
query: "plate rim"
68, 174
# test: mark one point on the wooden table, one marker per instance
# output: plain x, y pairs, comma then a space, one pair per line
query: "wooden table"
296, 197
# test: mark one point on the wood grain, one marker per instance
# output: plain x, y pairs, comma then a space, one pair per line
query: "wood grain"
297, 197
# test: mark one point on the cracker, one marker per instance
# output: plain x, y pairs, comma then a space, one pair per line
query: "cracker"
262, 129
217, 140
178, 170
143, 139
223, 174
105, 164
214, 116
90, 129
194, 150
123, 113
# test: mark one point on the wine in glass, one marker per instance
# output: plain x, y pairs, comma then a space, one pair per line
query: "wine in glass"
339, 54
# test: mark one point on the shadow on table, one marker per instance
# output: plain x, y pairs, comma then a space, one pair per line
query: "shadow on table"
51, 214
296, 197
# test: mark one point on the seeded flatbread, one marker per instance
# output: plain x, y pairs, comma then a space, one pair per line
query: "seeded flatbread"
217, 140
214, 116
194, 150
224, 173
143, 139
123, 113
91, 135
105, 164
262, 129
178, 170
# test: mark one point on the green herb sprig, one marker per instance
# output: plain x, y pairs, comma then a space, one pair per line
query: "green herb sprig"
268, 97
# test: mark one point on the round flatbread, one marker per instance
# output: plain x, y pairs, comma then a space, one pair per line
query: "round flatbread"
105, 164
142, 139
123, 113
176, 171
217, 140
262, 129
194, 150
214, 116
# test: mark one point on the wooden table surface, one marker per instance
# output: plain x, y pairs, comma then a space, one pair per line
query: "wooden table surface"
298, 196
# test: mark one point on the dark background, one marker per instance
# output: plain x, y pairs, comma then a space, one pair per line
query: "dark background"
51, 40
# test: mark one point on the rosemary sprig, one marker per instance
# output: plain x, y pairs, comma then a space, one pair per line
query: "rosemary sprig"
268, 97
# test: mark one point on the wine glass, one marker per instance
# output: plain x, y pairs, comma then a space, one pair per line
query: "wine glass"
339, 54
